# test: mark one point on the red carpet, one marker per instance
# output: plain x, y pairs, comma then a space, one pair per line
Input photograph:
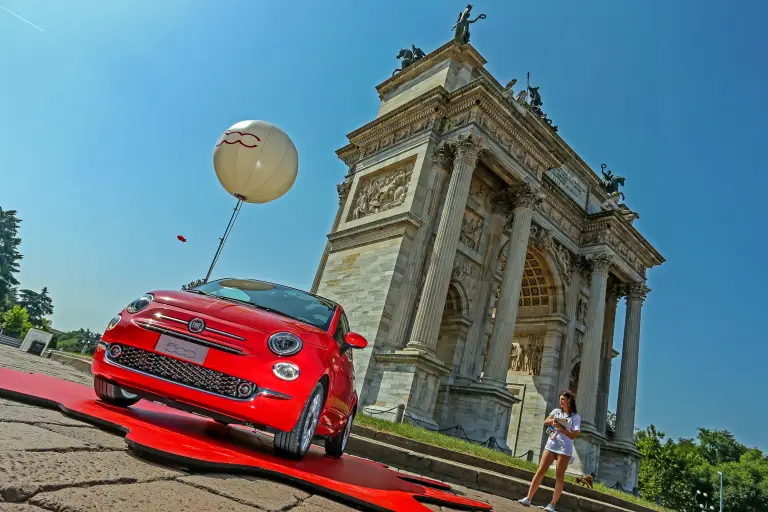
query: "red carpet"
202, 444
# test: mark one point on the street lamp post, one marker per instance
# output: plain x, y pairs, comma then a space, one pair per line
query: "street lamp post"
721, 490
705, 505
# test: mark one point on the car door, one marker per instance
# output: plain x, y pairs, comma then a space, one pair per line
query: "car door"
341, 372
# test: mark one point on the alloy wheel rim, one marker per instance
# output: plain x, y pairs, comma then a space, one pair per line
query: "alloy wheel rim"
347, 430
314, 415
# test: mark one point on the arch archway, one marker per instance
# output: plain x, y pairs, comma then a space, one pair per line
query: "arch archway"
573, 381
454, 326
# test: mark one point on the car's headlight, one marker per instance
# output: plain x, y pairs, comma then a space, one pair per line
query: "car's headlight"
284, 343
140, 303
286, 371
113, 323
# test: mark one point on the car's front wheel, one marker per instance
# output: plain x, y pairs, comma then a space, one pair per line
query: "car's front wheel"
112, 393
295, 443
335, 446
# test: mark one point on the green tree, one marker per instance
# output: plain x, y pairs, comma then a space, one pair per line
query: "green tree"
719, 446
39, 305
9, 257
72, 341
16, 322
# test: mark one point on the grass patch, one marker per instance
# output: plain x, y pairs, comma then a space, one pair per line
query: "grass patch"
459, 445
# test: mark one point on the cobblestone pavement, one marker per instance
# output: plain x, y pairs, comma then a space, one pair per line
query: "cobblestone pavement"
49, 461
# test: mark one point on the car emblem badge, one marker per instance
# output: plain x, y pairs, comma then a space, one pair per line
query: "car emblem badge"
196, 325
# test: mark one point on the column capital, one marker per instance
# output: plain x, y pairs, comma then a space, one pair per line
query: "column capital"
637, 291
601, 262
343, 189
503, 201
580, 264
468, 147
442, 157
528, 197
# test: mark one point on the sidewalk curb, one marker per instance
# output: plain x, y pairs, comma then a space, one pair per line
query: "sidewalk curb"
477, 463
473, 477
75, 362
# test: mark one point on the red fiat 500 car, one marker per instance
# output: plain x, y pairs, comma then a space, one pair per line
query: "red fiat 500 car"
241, 352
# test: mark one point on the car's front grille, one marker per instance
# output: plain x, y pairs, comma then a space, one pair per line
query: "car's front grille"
181, 372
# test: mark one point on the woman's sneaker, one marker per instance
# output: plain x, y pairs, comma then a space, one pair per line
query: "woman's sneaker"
525, 502
549, 508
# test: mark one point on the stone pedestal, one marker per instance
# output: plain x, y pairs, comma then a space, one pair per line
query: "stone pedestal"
406, 377
619, 466
586, 451
482, 410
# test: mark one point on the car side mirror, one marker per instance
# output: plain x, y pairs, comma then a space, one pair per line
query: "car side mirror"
354, 340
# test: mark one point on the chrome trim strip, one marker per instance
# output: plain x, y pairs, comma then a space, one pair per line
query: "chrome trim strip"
217, 331
187, 337
228, 335
113, 363
273, 394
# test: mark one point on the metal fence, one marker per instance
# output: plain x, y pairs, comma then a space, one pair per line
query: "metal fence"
11, 342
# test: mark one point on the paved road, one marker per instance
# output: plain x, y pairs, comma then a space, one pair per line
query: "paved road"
49, 461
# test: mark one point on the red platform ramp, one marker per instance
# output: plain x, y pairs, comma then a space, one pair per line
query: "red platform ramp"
203, 445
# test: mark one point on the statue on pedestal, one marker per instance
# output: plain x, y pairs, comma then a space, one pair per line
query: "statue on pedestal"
408, 57
461, 28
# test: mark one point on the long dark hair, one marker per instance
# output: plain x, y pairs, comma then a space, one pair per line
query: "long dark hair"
571, 397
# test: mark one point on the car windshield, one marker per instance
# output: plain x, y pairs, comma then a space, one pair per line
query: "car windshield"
276, 298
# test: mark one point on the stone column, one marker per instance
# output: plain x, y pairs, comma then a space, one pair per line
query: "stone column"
604, 384
430, 311
590, 359
506, 312
574, 290
625, 414
486, 281
343, 190
401, 317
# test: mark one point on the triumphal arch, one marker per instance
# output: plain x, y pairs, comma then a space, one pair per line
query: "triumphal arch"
483, 260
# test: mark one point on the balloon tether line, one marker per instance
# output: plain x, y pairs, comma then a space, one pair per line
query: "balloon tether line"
223, 239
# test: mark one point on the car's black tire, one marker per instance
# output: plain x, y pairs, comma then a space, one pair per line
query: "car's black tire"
335, 446
295, 443
112, 393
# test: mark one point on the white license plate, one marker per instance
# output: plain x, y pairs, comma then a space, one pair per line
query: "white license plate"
181, 349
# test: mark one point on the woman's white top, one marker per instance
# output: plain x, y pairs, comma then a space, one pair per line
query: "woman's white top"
559, 442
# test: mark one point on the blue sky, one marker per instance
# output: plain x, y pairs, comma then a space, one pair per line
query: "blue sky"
107, 127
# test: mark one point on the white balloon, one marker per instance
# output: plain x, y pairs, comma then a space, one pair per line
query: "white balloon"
255, 161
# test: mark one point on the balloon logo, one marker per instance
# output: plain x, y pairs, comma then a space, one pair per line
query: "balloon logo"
255, 161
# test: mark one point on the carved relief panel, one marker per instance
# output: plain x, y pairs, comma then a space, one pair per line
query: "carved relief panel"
471, 229
381, 191
526, 355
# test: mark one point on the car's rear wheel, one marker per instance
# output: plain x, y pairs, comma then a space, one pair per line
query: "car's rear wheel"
335, 446
295, 443
112, 393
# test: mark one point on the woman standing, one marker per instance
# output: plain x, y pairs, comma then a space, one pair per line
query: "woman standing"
563, 426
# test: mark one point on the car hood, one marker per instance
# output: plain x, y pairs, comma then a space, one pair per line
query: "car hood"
242, 314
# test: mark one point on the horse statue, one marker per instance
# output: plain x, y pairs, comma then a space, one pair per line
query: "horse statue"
408, 57
611, 183
461, 34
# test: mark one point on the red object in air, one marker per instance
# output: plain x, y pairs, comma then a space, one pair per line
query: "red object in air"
201, 444
242, 352
181, 238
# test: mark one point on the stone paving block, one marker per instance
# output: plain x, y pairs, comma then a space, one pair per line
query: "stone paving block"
90, 435
23, 474
37, 415
21, 436
18, 507
249, 490
316, 503
11, 403
155, 497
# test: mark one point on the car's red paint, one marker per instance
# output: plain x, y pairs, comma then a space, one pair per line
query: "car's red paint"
324, 357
